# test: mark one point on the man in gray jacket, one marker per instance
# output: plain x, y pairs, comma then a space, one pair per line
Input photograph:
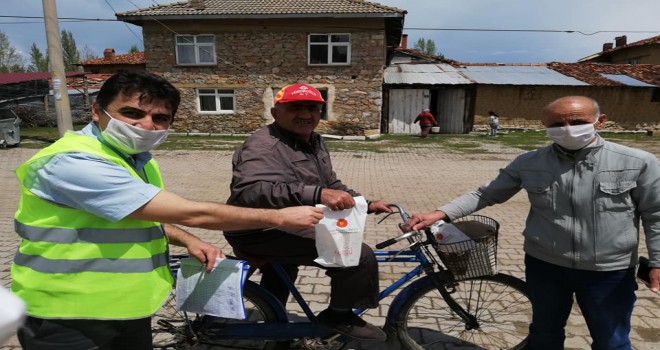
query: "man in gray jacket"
288, 164
587, 197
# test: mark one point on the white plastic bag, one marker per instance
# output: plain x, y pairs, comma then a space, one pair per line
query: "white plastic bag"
12, 314
339, 235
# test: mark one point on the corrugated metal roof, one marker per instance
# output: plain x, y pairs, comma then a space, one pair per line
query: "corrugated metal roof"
429, 74
624, 79
9, 78
518, 75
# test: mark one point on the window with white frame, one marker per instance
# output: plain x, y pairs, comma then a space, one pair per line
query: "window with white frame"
215, 100
195, 49
326, 49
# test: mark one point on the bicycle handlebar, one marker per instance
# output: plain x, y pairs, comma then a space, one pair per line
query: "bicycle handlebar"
404, 217
391, 241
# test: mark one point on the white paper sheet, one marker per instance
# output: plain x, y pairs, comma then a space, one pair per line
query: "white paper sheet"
216, 293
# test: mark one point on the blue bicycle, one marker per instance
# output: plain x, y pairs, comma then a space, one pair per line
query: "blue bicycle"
451, 298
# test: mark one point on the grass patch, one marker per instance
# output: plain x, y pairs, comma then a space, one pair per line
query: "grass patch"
472, 143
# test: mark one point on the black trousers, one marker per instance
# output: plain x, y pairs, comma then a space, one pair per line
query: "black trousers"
79, 334
350, 287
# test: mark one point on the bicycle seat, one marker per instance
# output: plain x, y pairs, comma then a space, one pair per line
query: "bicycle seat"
253, 260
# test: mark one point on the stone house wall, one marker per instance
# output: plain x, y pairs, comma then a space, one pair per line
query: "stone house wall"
255, 58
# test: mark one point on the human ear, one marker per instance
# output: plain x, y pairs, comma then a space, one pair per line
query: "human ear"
601, 122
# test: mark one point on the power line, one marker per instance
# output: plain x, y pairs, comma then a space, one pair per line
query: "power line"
405, 28
534, 30
63, 18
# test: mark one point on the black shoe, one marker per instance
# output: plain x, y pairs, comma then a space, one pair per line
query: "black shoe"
351, 325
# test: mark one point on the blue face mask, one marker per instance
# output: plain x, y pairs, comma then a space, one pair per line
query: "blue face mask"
572, 137
129, 139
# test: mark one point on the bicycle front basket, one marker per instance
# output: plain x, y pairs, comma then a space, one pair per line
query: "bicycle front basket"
475, 257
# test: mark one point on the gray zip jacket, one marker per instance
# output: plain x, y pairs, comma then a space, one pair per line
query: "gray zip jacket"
585, 208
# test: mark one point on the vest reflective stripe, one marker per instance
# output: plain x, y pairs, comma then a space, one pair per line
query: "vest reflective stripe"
73, 264
40, 264
87, 235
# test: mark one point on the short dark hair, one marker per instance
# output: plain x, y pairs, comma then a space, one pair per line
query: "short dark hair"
148, 85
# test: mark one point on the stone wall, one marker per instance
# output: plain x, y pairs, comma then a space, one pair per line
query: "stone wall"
627, 108
256, 61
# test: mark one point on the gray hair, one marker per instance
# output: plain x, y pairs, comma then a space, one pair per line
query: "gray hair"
596, 108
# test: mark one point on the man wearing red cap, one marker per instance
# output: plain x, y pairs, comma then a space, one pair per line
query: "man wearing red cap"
287, 164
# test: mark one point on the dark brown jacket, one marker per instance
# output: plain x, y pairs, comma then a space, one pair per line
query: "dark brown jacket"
273, 169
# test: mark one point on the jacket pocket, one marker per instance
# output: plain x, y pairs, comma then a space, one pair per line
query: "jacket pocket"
539, 190
615, 196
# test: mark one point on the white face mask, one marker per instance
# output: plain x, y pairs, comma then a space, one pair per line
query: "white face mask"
572, 137
129, 139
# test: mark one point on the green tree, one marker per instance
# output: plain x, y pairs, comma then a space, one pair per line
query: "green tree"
10, 59
427, 46
38, 60
134, 49
70, 53
87, 54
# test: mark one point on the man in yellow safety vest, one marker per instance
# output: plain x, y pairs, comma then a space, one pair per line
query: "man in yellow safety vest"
95, 223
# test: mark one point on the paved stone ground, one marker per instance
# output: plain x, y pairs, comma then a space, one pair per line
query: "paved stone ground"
418, 178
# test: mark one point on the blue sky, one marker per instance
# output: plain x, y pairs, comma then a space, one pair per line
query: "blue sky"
589, 16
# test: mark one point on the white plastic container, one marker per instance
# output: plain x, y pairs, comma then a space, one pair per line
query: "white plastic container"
447, 234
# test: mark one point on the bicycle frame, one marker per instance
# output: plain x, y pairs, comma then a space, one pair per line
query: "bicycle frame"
285, 330
311, 329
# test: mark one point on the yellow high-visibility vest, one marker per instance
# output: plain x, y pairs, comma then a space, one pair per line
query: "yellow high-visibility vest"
74, 264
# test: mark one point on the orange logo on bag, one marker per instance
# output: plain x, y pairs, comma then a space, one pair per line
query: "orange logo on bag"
341, 223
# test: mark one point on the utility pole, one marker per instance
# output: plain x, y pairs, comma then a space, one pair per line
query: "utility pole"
60, 90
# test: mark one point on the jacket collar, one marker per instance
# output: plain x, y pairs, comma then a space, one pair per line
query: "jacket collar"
292, 141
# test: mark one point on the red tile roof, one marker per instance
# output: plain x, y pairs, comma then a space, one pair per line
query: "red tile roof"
650, 41
591, 72
237, 8
129, 58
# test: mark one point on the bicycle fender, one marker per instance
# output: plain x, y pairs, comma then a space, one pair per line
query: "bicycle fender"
267, 296
403, 296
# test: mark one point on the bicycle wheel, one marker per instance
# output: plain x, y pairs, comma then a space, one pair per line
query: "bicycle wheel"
258, 309
171, 330
500, 304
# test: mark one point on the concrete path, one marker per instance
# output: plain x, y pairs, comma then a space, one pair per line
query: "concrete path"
418, 178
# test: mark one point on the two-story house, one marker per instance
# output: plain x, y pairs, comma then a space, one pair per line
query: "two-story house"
645, 51
229, 58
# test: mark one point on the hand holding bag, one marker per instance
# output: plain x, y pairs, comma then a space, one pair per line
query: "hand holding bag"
339, 235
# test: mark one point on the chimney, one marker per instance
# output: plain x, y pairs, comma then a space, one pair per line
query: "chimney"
620, 40
197, 4
404, 41
108, 54
607, 46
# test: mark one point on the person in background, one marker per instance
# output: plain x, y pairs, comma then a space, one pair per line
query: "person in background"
493, 122
587, 197
95, 223
426, 122
288, 164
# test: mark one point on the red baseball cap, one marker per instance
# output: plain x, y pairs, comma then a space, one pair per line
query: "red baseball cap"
298, 92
